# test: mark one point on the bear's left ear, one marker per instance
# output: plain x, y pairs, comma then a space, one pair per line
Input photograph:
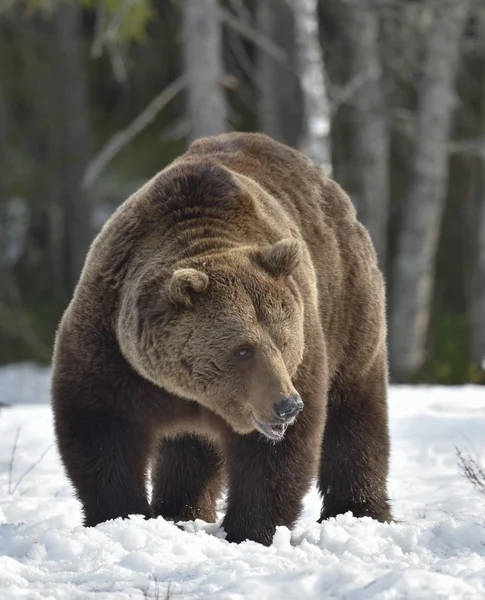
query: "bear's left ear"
184, 284
281, 259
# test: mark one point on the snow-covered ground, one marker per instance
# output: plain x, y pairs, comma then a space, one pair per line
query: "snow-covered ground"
435, 549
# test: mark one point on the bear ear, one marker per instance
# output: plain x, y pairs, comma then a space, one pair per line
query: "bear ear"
281, 259
184, 284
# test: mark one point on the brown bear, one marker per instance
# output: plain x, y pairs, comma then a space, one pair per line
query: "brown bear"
228, 328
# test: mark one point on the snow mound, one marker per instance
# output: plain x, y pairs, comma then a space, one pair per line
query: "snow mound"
435, 549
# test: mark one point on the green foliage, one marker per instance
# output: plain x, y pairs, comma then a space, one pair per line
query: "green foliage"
28, 7
450, 363
476, 374
125, 20
18, 345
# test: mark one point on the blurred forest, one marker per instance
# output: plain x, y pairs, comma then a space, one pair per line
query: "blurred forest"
97, 96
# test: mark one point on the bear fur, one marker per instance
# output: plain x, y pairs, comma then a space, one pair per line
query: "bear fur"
238, 276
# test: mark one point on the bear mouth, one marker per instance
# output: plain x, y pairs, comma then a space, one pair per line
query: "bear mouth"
273, 431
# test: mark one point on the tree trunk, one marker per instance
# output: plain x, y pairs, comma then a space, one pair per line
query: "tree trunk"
312, 78
419, 233
279, 106
202, 51
3, 197
370, 124
476, 291
60, 227
74, 138
268, 105
477, 295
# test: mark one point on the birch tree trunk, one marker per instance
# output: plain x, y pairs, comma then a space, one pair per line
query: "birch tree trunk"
370, 125
312, 77
202, 53
419, 233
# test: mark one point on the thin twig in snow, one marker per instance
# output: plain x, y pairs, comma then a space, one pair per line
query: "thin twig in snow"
12, 458
156, 591
12, 490
471, 470
31, 468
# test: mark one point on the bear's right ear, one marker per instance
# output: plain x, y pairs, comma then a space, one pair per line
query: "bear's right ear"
184, 284
281, 259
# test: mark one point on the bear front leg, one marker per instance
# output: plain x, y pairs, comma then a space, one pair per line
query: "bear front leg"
268, 481
355, 451
187, 479
105, 456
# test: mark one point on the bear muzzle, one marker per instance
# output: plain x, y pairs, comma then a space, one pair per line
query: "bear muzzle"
288, 408
285, 412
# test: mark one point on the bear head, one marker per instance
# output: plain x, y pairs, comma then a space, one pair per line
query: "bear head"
224, 330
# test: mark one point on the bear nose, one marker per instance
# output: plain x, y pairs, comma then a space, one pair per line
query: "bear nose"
288, 407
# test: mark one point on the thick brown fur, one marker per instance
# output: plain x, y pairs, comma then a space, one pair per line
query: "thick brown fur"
236, 277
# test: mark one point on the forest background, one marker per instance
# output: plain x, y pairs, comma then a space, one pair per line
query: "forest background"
389, 95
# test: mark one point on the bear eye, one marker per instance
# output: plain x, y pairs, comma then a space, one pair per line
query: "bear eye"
245, 352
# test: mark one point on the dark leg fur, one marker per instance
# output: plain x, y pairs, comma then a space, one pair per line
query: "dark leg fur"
355, 453
267, 482
187, 480
105, 457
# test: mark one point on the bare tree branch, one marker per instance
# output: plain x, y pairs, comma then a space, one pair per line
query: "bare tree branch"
180, 128
241, 56
122, 138
474, 146
241, 10
248, 31
340, 95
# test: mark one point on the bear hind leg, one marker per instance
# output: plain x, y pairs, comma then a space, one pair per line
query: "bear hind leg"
355, 450
187, 479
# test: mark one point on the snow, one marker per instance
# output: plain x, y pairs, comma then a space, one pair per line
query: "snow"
24, 383
434, 550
